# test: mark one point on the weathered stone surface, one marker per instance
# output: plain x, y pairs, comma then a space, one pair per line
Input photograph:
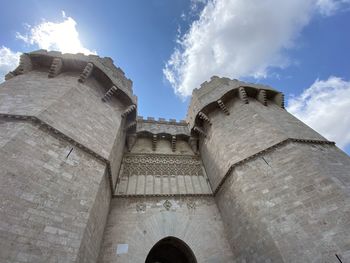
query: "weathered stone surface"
60, 153
162, 127
248, 129
47, 198
144, 145
155, 174
74, 109
142, 222
290, 205
76, 61
273, 190
221, 88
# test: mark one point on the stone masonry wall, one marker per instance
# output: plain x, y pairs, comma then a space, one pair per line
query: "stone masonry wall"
139, 223
47, 197
291, 204
57, 138
73, 108
154, 168
90, 247
248, 129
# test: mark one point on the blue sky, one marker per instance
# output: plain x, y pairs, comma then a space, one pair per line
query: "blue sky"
300, 47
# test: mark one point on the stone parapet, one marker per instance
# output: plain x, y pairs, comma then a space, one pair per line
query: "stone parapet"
162, 126
218, 91
56, 62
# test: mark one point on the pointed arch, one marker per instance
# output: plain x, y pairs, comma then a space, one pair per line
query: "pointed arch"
171, 250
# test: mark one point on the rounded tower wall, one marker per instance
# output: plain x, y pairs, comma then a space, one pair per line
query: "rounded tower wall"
65, 103
289, 205
275, 179
62, 130
239, 124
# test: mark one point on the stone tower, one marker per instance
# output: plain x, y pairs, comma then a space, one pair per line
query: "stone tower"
283, 190
63, 124
83, 179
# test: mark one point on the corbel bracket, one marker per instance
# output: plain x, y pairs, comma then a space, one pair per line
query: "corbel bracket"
56, 67
128, 110
223, 107
108, 95
204, 117
86, 72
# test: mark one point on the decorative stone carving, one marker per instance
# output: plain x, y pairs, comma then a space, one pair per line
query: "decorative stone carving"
173, 143
86, 72
56, 67
154, 142
141, 207
191, 205
200, 131
279, 99
243, 95
204, 117
151, 164
128, 110
223, 107
167, 204
131, 125
108, 95
262, 97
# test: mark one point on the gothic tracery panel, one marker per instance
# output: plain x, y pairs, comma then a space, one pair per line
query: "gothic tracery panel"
155, 174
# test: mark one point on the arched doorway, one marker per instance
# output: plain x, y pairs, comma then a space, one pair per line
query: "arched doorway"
170, 250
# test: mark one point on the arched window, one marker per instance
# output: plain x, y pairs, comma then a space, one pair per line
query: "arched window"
170, 250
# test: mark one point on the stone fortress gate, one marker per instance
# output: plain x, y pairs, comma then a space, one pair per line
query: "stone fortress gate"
84, 179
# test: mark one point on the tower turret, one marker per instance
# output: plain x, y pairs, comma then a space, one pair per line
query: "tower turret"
282, 189
62, 127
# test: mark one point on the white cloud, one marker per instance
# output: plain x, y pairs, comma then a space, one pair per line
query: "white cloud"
62, 36
329, 7
8, 61
325, 107
238, 38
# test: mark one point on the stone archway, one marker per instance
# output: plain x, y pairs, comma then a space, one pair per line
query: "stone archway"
170, 250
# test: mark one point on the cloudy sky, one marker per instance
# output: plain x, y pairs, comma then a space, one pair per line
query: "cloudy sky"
168, 48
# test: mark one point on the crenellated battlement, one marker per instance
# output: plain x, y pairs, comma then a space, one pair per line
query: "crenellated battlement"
162, 126
162, 121
55, 63
217, 92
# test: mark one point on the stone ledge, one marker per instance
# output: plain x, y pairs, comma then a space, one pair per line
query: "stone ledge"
162, 121
162, 195
260, 153
56, 133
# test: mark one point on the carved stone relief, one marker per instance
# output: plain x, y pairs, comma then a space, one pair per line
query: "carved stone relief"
167, 205
157, 174
141, 207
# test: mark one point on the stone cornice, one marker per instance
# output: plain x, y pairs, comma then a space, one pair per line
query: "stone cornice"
161, 195
196, 157
262, 152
